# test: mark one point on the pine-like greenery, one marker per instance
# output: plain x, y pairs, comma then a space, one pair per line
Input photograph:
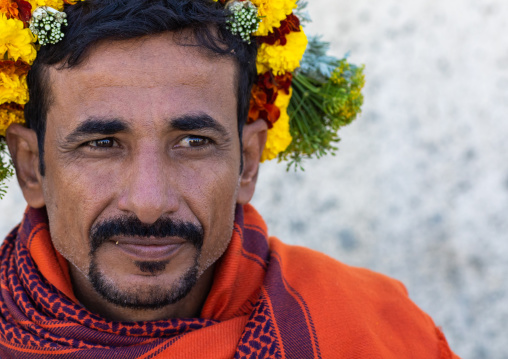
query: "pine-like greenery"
326, 96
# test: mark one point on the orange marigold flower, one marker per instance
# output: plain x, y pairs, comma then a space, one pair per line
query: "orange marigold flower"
283, 82
10, 113
14, 67
261, 108
9, 8
264, 96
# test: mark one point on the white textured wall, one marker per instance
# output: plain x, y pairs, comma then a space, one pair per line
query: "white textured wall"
419, 190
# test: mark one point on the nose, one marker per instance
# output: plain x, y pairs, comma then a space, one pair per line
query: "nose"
148, 192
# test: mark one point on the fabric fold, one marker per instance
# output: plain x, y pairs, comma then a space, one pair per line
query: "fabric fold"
267, 300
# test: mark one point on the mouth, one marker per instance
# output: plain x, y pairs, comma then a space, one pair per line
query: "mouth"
149, 249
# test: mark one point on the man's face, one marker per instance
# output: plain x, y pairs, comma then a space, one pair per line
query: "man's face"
142, 167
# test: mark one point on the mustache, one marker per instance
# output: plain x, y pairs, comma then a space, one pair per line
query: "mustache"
102, 232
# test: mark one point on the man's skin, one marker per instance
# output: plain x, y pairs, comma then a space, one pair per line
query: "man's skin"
143, 157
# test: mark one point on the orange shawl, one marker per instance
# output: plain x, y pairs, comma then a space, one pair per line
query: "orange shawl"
268, 300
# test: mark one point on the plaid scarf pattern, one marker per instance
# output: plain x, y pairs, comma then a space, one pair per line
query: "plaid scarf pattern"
268, 300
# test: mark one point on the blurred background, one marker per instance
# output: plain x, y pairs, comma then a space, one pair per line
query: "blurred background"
420, 184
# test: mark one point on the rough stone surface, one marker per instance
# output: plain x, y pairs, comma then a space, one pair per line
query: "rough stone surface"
419, 190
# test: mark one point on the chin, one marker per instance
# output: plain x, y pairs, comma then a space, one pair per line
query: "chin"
146, 291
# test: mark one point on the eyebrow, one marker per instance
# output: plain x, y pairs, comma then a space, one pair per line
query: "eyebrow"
97, 126
199, 121
111, 126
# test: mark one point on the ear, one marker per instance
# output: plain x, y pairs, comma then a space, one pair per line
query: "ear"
22, 143
254, 139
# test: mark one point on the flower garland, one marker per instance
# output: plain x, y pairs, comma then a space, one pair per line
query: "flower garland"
18, 44
304, 107
281, 45
304, 96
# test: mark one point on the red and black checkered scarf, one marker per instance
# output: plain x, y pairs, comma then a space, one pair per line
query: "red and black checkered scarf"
268, 300
41, 318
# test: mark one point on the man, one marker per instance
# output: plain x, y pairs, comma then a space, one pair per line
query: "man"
138, 241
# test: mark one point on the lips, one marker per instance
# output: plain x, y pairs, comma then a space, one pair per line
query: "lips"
149, 249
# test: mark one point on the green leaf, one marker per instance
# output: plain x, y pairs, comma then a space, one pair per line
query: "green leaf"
6, 167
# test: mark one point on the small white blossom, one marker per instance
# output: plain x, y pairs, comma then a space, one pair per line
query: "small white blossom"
243, 19
46, 23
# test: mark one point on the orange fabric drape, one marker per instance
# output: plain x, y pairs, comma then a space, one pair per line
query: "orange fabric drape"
268, 300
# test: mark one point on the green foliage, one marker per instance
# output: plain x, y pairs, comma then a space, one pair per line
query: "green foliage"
326, 96
315, 62
6, 167
301, 12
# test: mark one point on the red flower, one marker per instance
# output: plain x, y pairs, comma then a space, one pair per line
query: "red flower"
290, 24
261, 108
11, 106
17, 67
284, 82
25, 10
263, 96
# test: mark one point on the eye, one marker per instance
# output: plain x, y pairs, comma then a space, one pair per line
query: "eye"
103, 143
193, 141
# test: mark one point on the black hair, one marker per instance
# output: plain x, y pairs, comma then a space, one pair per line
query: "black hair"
92, 21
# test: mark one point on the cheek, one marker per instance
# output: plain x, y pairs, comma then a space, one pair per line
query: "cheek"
214, 205
74, 199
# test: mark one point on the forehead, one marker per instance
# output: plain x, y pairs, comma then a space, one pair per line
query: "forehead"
153, 75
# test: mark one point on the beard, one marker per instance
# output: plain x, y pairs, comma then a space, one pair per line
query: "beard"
148, 296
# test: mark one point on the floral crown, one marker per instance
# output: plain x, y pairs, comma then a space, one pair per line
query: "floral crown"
304, 95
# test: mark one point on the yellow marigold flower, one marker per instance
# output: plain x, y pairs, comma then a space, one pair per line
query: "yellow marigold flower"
278, 137
281, 59
272, 12
8, 116
55, 4
16, 41
13, 87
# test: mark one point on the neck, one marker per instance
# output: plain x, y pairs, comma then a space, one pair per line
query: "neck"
188, 307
